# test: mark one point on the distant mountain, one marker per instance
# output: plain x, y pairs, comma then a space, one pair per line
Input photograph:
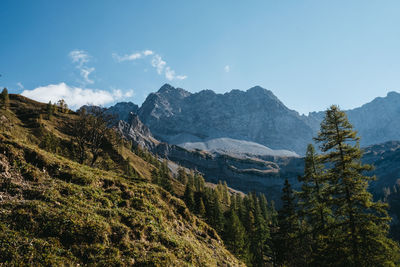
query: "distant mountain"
386, 159
246, 139
178, 116
123, 110
376, 122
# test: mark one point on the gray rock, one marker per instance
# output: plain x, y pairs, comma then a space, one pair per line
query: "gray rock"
177, 116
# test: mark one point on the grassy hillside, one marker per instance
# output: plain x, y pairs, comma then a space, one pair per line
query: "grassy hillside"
54, 211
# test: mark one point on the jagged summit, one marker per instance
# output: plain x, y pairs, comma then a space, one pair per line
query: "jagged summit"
167, 89
177, 116
174, 115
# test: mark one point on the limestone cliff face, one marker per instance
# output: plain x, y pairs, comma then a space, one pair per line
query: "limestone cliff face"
137, 132
177, 116
199, 119
122, 110
376, 122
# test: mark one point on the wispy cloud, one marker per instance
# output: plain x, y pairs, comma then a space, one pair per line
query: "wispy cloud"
126, 57
227, 68
156, 62
75, 97
81, 58
133, 56
20, 85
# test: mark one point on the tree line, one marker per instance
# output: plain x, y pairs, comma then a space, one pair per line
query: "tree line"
331, 221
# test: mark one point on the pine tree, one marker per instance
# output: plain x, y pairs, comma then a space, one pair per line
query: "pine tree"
362, 224
259, 238
4, 98
287, 237
182, 176
188, 196
234, 235
202, 208
313, 206
155, 177
165, 180
226, 195
215, 215
198, 182
49, 110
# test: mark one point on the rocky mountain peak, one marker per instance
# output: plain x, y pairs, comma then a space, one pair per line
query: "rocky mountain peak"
260, 91
122, 110
175, 116
170, 91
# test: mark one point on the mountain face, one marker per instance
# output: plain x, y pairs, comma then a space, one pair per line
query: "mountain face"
137, 132
376, 122
386, 159
177, 117
123, 110
246, 172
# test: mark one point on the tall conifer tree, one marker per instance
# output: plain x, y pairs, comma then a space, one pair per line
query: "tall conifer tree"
360, 238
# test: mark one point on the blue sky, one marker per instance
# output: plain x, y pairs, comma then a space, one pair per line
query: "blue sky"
309, 53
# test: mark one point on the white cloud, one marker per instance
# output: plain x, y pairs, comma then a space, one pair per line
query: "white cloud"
85, 72
131, 57
148, 52
80, 57
156, 62
180, 77
126, 57
20, 85
75, 97
227, 68
170, 75
129, 93
119, 94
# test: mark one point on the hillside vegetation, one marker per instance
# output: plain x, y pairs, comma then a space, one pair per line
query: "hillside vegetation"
56, 211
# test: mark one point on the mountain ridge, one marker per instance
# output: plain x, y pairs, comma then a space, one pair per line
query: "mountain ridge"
177, 116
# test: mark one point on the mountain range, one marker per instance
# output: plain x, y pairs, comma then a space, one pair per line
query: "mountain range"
200, 120
249, 139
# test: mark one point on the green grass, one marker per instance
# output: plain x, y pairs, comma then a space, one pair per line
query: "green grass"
54, 211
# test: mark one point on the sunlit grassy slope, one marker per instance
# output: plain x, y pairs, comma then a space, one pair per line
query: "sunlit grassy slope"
54, 211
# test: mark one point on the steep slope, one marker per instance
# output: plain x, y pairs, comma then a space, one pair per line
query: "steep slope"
177, 116
242, 171
54, 211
